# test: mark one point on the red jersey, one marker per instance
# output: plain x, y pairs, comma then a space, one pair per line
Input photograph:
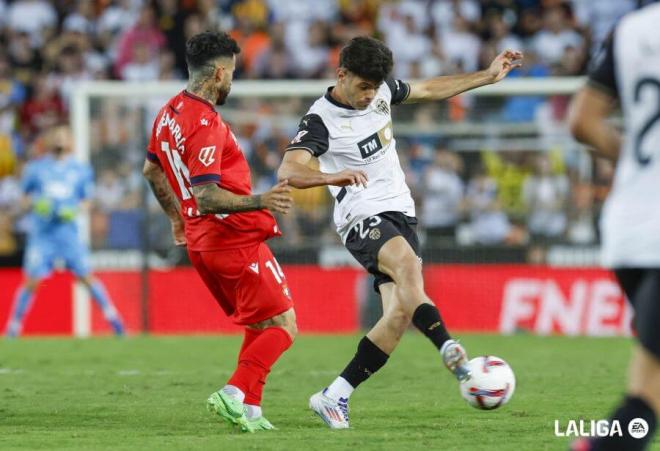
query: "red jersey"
194, 146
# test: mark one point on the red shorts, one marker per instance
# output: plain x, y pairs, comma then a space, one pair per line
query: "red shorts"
248, 283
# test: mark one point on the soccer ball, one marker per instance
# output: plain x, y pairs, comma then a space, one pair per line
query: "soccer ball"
491, 385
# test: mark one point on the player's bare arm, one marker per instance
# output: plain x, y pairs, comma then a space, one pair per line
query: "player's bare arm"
161, 189
295, 169
589, 111
166, 198
440, 88
211, 199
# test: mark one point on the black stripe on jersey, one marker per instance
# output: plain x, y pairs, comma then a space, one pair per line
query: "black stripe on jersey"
400, 90
603, 74
206, 178
341, 194
153, 158
312, 136
174, 110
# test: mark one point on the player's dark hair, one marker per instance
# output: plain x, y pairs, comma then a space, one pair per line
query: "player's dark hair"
367, 58
207, 46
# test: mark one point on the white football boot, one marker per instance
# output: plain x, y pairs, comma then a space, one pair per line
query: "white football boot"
333, 412
455, 359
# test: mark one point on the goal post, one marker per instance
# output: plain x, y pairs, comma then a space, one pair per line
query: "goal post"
251, 100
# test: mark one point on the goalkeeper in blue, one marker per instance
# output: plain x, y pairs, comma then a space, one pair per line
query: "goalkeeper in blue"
56, 187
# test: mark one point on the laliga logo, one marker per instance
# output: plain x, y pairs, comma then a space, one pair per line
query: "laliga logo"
637, 428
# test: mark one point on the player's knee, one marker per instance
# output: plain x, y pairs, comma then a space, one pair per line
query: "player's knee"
292, 330
292, 325
397, 319
408, 271
287, 321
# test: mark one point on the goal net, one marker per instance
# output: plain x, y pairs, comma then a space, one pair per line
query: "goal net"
495, 175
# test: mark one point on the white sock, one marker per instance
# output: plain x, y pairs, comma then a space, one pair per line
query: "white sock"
340, 388
252, 411
234, 392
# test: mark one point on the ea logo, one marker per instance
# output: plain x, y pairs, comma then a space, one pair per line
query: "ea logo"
638, 428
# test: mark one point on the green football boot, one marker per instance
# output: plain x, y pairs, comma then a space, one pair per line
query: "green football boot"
261, 424
230, 409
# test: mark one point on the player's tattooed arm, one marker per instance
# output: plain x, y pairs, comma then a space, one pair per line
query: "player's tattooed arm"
440, 88
211, 199
162, 190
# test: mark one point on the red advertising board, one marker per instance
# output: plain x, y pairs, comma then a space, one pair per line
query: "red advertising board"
484, 298
541, 300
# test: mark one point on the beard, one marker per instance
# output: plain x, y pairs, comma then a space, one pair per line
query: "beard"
222, 95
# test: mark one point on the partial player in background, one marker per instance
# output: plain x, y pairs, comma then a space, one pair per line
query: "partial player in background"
57, 187
350, 131
201, 179
629, 72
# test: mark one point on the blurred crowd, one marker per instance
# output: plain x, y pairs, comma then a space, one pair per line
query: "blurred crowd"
47, 47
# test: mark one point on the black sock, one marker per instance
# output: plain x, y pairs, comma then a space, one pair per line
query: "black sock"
630, 409
368, 359
427, 319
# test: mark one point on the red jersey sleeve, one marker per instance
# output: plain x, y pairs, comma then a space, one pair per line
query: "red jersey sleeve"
152, 154
204, 150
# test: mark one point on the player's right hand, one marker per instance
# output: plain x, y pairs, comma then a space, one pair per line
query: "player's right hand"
348, 177
278, 198
178, 233
43, 207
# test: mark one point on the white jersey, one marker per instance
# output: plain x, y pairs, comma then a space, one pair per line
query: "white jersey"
342, 137
630, 70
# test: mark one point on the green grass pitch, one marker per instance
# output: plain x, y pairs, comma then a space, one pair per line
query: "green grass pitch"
150, 393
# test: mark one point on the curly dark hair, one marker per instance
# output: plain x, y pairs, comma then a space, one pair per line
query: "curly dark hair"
367, 58
207, 46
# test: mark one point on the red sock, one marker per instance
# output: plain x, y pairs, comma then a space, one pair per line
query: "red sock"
256, 360
254, 399
248, 337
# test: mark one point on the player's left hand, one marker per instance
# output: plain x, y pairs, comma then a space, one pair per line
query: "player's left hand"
178, 233
43, 207
67, 214
504, 63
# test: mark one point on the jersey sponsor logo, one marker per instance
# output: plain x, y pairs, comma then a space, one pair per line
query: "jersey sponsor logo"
382, 107
370, 145
206, 155
254, 267
204, 122
299, 136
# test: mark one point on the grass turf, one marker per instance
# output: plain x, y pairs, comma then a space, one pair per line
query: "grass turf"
150, 393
